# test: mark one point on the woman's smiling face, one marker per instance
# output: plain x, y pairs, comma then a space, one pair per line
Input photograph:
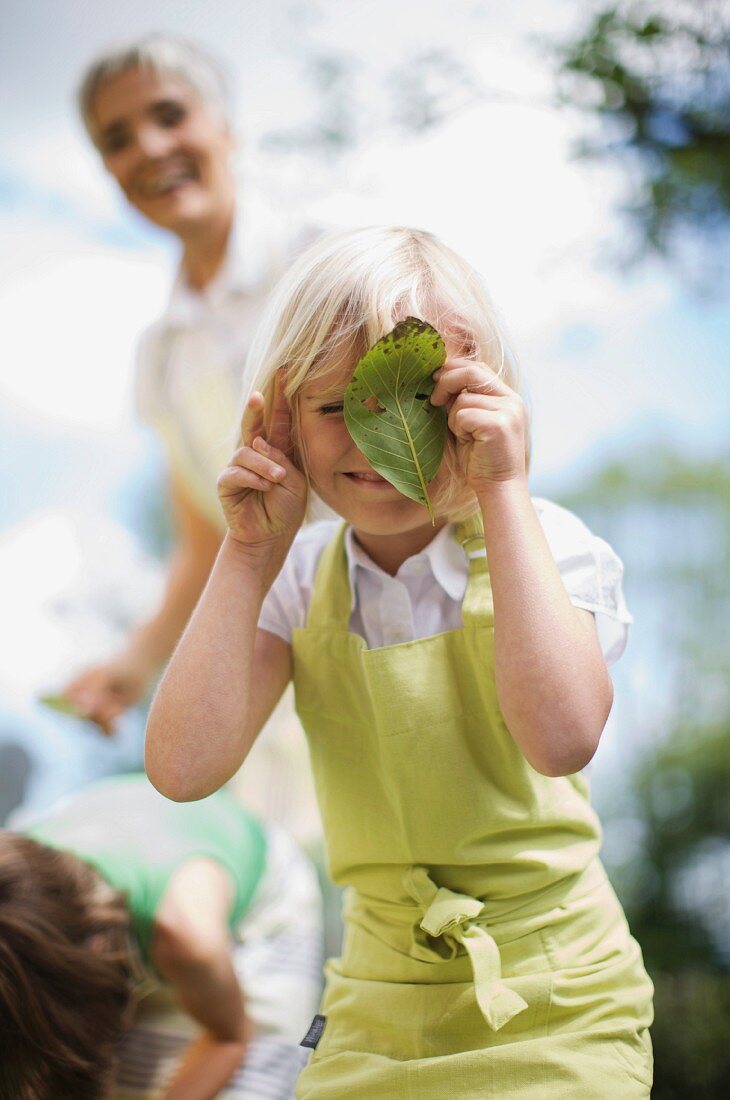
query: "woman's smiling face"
166, 149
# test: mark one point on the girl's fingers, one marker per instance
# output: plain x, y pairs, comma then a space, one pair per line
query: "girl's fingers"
235, 479
467, 399
473, 422
460, 375
261, 460
252, 468
260, 456
252, 423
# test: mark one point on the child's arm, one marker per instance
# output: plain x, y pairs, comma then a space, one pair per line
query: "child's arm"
553, 686
191, 949
226, 676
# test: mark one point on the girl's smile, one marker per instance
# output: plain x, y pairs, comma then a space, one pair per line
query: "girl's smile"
389, 526
368, 478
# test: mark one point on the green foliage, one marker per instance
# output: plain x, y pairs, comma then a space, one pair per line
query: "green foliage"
691, 1035
683, 797
655, 476
671, 520
356, 97
654, 75
388, 412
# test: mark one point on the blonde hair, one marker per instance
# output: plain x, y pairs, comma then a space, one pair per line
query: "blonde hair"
347, 291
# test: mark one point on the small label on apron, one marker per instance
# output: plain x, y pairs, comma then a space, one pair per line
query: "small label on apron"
315, 1032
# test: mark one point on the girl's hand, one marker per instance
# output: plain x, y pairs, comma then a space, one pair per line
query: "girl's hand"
263, 495
488, 420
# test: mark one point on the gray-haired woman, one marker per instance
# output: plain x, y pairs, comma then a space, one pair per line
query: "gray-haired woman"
158, 113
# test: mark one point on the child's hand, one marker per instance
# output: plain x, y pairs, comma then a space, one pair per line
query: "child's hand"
262, 493
488, 420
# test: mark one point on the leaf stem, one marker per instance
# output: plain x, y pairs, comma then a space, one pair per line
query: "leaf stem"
416, 463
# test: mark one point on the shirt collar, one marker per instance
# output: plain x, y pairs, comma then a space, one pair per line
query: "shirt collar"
447, 561
245, 269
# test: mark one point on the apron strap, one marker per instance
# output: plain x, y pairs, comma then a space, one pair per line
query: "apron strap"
331, 603
458, 920
477, 608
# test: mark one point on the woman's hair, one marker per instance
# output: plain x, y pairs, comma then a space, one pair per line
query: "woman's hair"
66, 974
347, 291
163, 54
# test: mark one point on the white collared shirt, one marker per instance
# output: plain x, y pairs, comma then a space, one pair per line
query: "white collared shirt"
425, 595
190, 378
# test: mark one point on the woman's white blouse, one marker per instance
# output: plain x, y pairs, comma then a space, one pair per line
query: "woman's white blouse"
426, 594
191, 366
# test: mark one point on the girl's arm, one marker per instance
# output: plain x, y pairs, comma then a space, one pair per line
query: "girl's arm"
553, 686
191, 949
226, 676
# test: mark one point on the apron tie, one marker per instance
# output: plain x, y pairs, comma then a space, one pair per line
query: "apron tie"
455, 919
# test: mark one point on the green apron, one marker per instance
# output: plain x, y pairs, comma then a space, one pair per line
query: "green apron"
485, 952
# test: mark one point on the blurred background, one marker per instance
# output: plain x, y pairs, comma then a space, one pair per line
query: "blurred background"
578, 155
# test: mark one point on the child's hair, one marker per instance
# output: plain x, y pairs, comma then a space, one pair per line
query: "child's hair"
347, 291
66, 974
164, 54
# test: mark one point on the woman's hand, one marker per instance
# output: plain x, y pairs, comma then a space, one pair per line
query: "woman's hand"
263, 495
488, 420
102, 693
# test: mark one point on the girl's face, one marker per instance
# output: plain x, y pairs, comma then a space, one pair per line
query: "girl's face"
388, 525
167, 152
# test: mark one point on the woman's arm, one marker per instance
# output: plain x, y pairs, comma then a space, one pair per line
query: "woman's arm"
225, 675
104, 692
553, 686
198, 544
191, 949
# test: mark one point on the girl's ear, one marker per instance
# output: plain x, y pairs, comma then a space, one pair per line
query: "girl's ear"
277, 415
295, 449
460, 343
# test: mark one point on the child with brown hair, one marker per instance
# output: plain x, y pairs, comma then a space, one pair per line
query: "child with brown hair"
116, 887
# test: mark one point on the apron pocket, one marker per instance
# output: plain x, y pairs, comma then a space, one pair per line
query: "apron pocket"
405, 1021
635, 1055
600, 984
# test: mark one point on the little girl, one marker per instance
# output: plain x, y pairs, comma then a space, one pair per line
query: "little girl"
450, 699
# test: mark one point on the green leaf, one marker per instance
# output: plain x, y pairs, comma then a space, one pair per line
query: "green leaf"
388, 412
60, 703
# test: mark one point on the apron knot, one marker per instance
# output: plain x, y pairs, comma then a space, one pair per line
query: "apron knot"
454, 920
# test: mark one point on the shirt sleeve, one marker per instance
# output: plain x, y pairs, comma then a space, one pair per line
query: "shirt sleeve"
592, 574
286, 604
146, 395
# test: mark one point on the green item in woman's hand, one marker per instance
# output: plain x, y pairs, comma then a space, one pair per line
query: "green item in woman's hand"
388, 412
61, 703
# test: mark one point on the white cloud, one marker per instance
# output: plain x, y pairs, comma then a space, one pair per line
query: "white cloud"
72, 606
69, 321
